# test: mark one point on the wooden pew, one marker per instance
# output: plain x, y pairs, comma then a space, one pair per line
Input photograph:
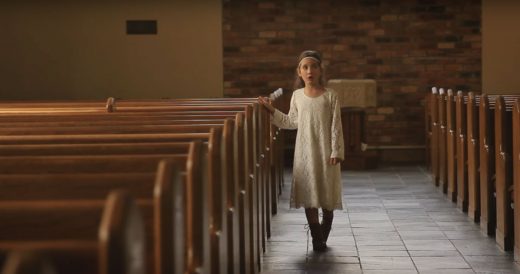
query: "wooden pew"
27, 262
97, 149
451, 148
178, 119
485, 185
473, 156
265, 197
175, 104
158, 198
434, 145
118, 104
230, 214
488, 157
273, 146
504, 234
516, 175
84, 130
487, 165
261, 122
462, 154
97, 237
460, 170
160, 187
131, 116
259, 178
122, 105
442, 144
218, 239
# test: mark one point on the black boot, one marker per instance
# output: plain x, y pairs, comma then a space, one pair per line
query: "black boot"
326, 225
318, 244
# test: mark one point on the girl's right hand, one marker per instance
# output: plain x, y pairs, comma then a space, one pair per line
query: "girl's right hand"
266, 102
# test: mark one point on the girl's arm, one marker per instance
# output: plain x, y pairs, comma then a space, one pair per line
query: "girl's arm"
336, 130
280, 119
266, 102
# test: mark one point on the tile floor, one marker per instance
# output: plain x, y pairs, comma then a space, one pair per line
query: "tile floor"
394, 221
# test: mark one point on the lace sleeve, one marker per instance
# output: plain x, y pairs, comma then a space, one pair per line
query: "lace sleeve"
336, 130
286, 121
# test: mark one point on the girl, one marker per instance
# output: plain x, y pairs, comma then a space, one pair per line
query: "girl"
315, 112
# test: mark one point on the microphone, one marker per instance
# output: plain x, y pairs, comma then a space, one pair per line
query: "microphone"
276, 94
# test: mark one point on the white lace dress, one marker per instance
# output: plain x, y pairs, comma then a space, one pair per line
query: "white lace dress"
316, 183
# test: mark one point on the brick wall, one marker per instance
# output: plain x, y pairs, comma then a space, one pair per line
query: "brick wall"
406, 46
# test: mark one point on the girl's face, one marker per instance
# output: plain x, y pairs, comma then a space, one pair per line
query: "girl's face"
310, 71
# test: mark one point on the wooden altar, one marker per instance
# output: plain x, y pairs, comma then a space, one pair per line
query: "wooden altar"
355, 95
354, 131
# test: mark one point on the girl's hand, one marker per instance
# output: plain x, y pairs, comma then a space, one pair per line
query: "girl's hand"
266, 102
334, 161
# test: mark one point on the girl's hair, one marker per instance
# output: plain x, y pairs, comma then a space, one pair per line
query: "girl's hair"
298, 82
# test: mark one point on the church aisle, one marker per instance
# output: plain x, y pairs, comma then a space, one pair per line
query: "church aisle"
394, 221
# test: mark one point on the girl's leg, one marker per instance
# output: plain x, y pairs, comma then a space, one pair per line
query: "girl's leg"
312, 215
326, 224
318, 243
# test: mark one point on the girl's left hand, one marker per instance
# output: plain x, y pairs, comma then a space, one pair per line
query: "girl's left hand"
334, 161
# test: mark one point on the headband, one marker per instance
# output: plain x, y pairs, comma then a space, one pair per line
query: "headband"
310, 57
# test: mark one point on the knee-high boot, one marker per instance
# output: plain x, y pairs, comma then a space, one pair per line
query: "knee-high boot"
318, 243
326, 224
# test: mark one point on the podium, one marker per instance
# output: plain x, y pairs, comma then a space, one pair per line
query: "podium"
355, 95
353, 122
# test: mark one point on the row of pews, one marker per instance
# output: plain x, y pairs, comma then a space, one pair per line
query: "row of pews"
137, 186
474, 157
